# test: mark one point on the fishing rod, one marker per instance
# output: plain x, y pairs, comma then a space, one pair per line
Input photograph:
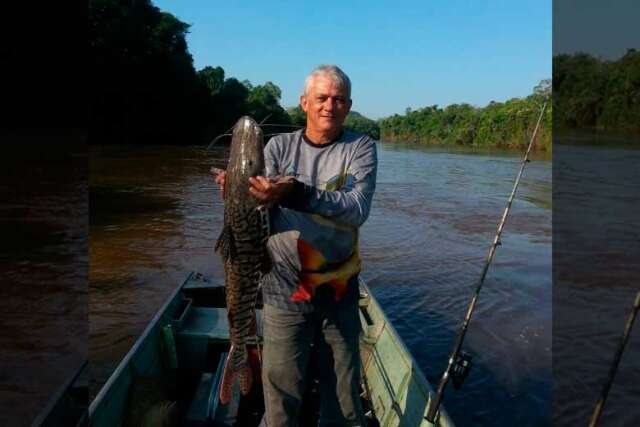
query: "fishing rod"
460, 362
597, 411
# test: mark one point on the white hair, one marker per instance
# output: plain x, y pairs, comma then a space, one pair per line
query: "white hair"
334, 73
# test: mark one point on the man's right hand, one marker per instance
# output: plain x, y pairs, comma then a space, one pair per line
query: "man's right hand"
219, 175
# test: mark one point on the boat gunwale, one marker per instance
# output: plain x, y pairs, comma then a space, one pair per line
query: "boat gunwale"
443, 415
124, 363
54, 401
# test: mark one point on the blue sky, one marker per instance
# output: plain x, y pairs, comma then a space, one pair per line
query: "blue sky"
398, 54
602, 28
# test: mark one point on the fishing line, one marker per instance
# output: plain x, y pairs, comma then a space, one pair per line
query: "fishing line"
228, 131
265, 119
454, 359
597, 411
214, 170
217, 138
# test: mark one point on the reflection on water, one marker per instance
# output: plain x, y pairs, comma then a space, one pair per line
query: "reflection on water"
155, 215
596, 275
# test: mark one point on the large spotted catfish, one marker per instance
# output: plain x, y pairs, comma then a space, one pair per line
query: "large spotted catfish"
242, 245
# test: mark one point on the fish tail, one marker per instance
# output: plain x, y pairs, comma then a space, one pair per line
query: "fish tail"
242, 362
250, 373
231, 370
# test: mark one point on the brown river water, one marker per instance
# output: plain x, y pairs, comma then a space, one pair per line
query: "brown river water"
44, 265
596, 268
155, 214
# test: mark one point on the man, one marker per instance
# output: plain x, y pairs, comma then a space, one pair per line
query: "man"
320, 183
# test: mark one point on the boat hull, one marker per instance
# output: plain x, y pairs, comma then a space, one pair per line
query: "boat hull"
184, 346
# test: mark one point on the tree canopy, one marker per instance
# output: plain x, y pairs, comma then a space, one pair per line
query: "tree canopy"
507, 124
596, 93
146, 90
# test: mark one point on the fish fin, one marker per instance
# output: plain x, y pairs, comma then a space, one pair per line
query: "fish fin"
337, 279
244, 373
307, 287
250, 373
310, 260
226, 245
230, 372
339, 288
310, 257
303, 293
246, 379
247, 372
226, 388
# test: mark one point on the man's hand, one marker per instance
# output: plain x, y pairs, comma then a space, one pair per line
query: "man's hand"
270, 190
219, 175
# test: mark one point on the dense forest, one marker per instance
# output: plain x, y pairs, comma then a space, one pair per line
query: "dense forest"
506, 124
145, 89
596, 93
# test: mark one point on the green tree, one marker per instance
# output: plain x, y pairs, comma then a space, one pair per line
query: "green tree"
356, 122
264, 102
497, 124
596, 93
212, 78
621, 105
145, 88
297, 116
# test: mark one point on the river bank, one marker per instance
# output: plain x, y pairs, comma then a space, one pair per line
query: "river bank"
511, 145
596, 136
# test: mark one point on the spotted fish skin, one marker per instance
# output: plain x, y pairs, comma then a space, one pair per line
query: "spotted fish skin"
242, 245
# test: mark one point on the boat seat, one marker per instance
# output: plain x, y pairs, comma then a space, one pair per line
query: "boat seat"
197, 281
206, 322
202, 327
210, 323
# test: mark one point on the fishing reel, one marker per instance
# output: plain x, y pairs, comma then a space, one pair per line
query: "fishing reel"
460, 369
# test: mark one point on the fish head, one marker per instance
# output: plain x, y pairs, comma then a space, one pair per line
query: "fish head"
247, 150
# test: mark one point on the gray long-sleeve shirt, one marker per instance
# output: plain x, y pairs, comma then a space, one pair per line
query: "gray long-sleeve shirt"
314, 233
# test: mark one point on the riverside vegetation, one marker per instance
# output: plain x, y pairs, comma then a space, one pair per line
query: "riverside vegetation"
146, 90
593, 93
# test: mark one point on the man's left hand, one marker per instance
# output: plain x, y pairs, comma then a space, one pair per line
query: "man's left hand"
270, 191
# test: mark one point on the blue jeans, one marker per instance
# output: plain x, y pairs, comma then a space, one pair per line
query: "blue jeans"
289, 339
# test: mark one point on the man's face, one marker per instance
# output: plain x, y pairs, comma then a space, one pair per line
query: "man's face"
326, 105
